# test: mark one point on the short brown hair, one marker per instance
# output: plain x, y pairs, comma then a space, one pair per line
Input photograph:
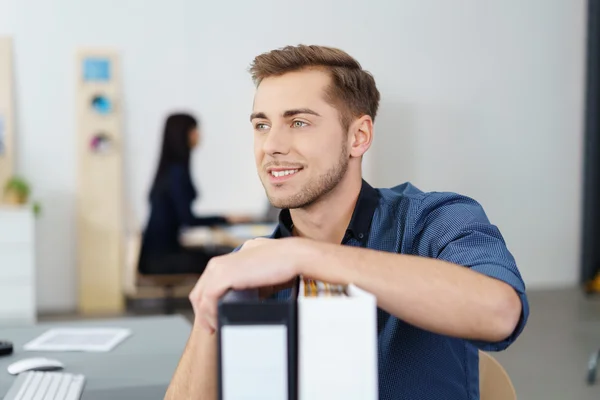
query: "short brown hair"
353, 91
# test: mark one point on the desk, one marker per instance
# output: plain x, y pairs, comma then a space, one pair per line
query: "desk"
141, 367
233, 236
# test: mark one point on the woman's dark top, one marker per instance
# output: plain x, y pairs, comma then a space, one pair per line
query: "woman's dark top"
171, 210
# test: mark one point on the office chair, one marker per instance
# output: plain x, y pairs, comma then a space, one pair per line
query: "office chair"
494, 382
168, 284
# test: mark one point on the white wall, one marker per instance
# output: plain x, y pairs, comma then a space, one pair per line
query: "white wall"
483, 99
489, 103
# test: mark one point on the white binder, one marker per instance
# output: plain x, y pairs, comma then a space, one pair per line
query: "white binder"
319, 344
337, 344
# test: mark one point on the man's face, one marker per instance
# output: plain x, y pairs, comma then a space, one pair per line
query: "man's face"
300, 147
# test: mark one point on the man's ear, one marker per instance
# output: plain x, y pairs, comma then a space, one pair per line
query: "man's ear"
361, 136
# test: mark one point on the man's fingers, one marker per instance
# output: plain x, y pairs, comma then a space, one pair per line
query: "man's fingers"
208, 311
249, 244
204, 324
205, 295
212, 322
198, 292
195, 296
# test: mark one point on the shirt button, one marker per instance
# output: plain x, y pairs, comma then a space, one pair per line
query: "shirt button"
360, 235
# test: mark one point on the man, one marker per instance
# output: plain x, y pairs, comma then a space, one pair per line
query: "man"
445, 283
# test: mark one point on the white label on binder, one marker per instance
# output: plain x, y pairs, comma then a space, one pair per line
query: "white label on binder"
254, 362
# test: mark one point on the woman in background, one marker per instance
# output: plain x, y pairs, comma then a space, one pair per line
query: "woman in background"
171, 198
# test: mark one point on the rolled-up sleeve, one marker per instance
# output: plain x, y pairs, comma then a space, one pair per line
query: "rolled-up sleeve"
456, 229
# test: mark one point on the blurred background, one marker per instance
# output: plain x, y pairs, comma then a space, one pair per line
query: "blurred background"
496, 100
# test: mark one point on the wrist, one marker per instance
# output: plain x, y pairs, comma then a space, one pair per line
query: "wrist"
306, 251
319, 261
200, 327
331, 263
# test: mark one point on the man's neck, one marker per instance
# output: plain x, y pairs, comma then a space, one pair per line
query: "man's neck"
328, 219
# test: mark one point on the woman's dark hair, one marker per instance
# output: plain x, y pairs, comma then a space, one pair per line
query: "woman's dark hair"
176, 144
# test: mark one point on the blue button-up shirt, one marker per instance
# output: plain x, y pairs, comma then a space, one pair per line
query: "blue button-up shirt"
415, 364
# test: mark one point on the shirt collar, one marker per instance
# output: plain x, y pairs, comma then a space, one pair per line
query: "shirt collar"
360, 223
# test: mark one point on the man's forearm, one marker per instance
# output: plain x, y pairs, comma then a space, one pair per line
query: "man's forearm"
431, 294
196, 375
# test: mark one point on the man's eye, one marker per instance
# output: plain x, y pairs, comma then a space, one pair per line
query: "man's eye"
299, 124
260, 126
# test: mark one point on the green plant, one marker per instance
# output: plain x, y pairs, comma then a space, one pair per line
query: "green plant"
17, 191
17, 186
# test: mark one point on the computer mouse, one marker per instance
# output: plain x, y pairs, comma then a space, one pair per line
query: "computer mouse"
34, 364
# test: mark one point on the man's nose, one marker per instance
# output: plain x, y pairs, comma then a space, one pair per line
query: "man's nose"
278, 141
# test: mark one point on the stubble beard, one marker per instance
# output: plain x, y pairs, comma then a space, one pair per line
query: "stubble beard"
315, 190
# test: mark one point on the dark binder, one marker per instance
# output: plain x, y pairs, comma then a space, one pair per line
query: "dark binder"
257, 346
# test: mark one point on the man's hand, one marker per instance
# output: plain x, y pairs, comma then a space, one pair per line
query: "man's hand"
260, 263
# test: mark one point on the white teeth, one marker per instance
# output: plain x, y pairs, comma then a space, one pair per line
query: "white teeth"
284, 173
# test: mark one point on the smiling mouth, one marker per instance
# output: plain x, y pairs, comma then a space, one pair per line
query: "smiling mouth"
281, 173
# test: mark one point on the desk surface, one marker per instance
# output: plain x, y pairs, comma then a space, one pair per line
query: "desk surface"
233, 235
140, 367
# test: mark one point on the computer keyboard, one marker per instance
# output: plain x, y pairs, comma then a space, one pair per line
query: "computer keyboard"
46, 386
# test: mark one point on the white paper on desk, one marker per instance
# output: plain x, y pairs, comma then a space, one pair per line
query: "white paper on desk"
78, 339
250, 231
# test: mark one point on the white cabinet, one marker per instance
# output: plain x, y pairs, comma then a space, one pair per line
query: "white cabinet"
17, 266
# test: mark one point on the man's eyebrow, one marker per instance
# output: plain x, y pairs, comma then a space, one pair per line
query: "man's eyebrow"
291, 113
258, 115
287, 113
